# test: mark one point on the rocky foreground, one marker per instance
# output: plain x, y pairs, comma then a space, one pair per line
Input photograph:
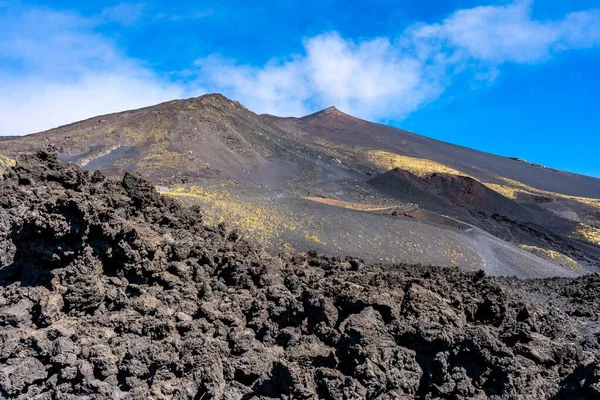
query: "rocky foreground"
110, 291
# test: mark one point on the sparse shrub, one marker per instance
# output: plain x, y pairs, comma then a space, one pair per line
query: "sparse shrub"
552, 255
416, 166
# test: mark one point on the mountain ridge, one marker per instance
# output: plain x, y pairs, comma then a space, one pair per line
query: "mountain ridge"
329, 111
262, 174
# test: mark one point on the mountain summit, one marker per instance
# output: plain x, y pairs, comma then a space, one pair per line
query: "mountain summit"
331, 112
194, 138
324, 181
212, 134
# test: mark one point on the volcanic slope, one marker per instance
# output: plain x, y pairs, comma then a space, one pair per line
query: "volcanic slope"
110, 291
296, 223
206, 136
570, 196
305, 183
533, 207
470, 201
339, 127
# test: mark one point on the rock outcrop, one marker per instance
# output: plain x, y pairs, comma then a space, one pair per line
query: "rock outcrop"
110, 291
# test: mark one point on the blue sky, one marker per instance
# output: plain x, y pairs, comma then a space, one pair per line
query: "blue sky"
516, 78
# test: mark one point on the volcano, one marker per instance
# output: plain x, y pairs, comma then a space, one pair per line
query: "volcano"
343, 186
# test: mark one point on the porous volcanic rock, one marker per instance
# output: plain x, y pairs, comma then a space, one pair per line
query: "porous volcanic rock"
110, 291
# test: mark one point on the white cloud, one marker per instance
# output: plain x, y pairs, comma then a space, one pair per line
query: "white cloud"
123, 13
55, 68
380, 78
579, 30
494, 34
188, 16
35, 105
58, 70
274, 88
370, 79
55, 43
498, 34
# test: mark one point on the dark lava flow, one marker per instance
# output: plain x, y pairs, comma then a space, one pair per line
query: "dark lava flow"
110, 291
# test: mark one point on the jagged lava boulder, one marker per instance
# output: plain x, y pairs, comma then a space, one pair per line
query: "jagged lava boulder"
110, 291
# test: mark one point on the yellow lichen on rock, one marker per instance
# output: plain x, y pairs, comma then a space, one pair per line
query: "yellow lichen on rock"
6, 162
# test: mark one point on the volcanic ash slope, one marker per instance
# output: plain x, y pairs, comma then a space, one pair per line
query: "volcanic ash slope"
110, 291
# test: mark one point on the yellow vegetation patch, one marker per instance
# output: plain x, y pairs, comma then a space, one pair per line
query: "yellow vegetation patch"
423, 167
587, 233
252, 220
349, 205
513, 188
506, 191
417, 166
262, 221
288, 247
314, 239
162, 158
553, 256
146, 134
6, 162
